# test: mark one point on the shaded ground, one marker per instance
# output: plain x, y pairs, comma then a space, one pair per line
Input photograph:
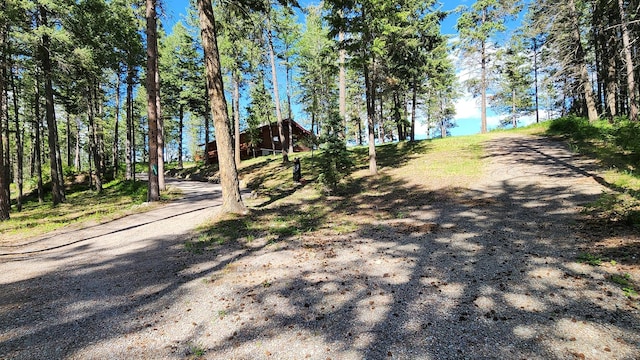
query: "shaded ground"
436, 272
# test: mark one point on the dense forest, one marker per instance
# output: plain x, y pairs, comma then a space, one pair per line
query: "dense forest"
99, 86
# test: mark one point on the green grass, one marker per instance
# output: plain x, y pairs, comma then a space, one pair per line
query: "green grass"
626, 284
118, 198
615, 145
590, 259
283, 210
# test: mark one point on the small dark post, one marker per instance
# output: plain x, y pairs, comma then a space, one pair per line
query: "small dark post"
296, 170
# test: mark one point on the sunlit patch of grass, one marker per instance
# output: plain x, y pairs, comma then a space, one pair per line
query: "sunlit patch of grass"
454, 160
625, 282
82, 204
590, 259
282, 210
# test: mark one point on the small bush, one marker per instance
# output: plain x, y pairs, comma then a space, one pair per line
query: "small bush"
626, 135
334, 161
589, 259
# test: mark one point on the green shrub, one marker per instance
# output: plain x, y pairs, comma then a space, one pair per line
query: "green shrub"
334, 161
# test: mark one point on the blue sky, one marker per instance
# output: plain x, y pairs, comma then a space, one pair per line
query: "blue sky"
467, 108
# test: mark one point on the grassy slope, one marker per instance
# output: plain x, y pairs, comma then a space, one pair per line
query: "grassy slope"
83, 205
410, 174
281, 208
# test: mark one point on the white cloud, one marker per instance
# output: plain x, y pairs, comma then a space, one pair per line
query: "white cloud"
467, 107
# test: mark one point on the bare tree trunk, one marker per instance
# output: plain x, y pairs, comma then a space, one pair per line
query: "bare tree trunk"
381, 130
76, 160
342, 83
57, 190
483, 88
5, 197
69, 138
19, 146
180, 133
5, 118
514, 118
371, 119
93, 140
38, 140
414, 107
628, 56
535, 77
236, 119
129, 121
116, 139
161, 183
153, 193
207, 134
232, 201
582, 65
290, 115
276, 95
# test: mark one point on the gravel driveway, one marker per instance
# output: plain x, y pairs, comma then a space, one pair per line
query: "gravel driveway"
484, 272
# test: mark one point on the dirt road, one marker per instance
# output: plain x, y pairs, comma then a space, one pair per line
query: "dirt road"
70, 288
484, 272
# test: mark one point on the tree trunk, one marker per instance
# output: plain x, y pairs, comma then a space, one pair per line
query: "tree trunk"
535, 78
129, 122
69, 138
381, 130
5, 197
397, 114
57, 190
37, 150
236, 119
180, 134
276, 95
232, 201
611, 87
116, 139
207, 135
628, 56
4, 130
153, 193
414, 100
290, 115
76, 160
514, 118
93, 141
371, 119
99, 116
19, 146
483, 88
342, 82
585, 82
160, 143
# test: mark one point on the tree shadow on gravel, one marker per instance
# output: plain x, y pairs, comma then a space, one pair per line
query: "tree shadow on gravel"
443, 275
393, 272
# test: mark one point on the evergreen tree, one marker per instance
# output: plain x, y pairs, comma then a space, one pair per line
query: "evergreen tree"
513, 92
334, 161
477, 26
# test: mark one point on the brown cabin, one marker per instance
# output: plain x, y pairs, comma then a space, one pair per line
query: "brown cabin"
269, 142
